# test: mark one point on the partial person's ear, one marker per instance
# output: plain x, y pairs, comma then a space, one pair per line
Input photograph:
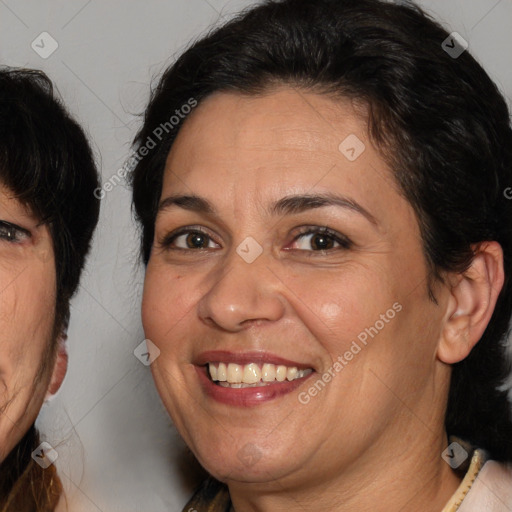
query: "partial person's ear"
59, 368
473, 297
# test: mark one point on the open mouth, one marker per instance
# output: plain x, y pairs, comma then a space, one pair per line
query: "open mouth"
233, 375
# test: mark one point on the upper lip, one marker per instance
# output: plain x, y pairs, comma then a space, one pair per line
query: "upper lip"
259, 357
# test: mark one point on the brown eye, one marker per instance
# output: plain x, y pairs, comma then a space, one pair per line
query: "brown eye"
189, 239
196, 240
12, 233
322, 242
320, 239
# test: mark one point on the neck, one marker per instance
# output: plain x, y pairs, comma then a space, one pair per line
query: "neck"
411, 479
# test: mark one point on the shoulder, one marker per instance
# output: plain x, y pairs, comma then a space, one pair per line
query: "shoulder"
491, 491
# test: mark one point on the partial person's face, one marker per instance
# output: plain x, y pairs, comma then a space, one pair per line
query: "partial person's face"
27, 312
288, 262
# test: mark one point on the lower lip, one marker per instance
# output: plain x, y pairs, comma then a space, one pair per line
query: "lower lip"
247, 397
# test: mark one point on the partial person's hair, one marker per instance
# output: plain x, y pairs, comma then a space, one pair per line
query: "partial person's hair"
24, 485
48, 165
46, 161
439, 122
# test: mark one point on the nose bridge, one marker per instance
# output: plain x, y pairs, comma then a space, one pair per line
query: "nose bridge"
245, 290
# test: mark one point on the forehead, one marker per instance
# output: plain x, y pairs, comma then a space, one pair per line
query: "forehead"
284, 119
243, 149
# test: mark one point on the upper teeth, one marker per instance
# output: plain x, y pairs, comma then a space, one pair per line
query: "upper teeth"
252, 373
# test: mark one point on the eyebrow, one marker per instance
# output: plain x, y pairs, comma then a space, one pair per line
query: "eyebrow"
285, 206
188, 202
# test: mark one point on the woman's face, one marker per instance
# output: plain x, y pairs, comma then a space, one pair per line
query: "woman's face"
284, 253
27, 309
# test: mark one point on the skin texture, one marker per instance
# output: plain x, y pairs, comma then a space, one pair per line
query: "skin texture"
372, 438
28, 369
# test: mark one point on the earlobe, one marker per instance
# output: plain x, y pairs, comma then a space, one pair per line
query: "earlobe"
60, 367
472, 302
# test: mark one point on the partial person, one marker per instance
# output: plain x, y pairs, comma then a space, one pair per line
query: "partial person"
328, 242
48, 213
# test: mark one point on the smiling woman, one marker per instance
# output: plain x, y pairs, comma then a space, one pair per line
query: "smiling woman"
329, 222
47, 217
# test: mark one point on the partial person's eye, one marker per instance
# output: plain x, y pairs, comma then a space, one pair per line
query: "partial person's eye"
12, 232
320, 239
188, 238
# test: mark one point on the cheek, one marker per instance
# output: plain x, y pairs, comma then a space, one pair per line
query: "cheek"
166, 300
35, 305
27, 308
27, 311
366, 318
336, 306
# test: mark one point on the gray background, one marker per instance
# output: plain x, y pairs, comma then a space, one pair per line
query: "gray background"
117, 449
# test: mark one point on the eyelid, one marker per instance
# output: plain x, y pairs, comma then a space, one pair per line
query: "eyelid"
342, 240
165, 241
18, 229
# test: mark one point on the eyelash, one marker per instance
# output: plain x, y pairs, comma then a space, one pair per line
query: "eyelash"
344, 242
13, 233
166, 242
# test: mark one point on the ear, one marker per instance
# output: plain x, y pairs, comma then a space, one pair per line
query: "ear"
471, 303
60, 367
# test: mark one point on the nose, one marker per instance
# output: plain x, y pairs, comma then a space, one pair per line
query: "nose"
241, 295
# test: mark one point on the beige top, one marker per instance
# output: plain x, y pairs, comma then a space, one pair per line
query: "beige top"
487, 486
